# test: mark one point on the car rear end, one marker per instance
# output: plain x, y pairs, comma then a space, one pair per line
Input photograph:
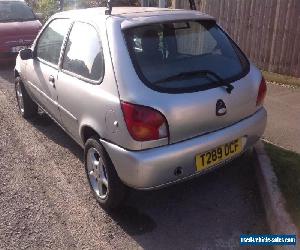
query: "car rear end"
189, 98
18, 29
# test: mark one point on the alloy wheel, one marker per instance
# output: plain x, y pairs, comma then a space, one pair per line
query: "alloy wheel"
97, 173
20, 97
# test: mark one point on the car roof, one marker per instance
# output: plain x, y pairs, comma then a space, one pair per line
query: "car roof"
133, 16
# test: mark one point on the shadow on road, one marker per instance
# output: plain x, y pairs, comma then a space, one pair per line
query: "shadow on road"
7, 72
133, 221
56, 134
209, 212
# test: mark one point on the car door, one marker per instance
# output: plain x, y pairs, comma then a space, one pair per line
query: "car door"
42, 70
81, 73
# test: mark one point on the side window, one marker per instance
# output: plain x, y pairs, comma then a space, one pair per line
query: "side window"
83, 54
50, 42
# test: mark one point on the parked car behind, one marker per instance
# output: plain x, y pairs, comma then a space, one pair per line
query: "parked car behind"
18, 28
154, 96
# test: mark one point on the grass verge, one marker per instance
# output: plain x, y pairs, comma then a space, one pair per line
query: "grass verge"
281, 79
287, 168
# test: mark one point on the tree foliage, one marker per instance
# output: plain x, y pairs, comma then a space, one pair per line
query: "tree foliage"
46, 7
49, 7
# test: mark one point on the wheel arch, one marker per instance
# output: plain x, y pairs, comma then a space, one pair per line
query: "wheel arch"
16, 73
86, 132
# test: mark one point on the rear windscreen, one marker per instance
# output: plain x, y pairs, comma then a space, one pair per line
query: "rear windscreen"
15, 11
184, 56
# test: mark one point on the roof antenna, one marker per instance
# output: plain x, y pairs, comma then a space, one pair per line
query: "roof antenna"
192, 5
108, 7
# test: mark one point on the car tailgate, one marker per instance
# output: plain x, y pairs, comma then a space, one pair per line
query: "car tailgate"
193, 114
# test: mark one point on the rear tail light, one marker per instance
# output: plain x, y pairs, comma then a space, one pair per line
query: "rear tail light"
144, 123
261, 92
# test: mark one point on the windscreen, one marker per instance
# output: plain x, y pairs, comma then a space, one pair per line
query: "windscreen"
184, 56
14, 11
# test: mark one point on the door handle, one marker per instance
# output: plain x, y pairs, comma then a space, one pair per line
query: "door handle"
52, 81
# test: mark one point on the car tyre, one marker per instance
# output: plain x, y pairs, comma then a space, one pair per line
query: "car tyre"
27, 107
104, 181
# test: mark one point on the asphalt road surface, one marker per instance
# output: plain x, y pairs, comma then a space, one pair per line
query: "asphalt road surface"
45, 200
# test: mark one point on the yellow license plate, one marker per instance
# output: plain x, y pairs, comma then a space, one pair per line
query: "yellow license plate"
218, 154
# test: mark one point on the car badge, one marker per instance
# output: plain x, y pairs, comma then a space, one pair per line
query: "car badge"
220, 108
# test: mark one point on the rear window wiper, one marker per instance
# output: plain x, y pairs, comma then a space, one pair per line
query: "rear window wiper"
205, 73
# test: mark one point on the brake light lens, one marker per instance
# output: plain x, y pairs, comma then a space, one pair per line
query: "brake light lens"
144, 123
261, 92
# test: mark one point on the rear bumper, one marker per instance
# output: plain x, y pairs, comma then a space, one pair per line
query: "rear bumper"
154, 168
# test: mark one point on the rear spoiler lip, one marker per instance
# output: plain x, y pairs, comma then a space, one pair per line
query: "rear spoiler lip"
142, 21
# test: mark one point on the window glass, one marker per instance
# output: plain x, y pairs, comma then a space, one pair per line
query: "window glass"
51, 40
15, 11
195, 40
184, 55
83, 55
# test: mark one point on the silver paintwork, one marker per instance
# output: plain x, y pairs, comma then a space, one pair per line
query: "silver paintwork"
164, 16
154, 168
76, 104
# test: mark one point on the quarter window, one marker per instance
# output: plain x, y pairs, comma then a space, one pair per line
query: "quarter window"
51, 40
84, 55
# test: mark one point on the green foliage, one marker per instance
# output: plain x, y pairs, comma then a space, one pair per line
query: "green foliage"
281, 79
287, 168
46, 7
49, 7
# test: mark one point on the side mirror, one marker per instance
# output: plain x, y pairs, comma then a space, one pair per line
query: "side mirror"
26, 54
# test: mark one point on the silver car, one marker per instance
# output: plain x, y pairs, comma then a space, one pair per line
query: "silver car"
154, 96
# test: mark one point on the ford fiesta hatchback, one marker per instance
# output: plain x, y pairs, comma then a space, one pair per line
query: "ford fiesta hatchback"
154, 96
